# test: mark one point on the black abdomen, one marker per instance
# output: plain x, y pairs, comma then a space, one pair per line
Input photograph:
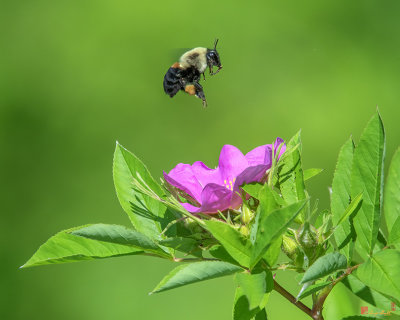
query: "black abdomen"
172, 83
176, 79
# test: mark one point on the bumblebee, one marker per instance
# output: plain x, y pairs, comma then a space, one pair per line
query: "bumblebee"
185, 74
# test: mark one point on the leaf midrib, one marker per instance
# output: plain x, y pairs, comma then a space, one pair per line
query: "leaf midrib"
386, 274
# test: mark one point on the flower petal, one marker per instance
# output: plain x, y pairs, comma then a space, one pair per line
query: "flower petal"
191, 208
205, 175
260, 155
249, 175
182, 177
214, 198
231, 162
279, 141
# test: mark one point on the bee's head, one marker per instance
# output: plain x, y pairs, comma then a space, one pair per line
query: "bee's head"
213, 57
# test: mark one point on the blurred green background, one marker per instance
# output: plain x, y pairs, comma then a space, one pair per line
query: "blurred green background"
75, 76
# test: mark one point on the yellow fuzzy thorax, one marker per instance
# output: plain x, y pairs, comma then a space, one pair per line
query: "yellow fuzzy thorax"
194, 58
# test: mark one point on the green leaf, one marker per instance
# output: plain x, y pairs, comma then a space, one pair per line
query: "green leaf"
253, 189
351, 208
381, 272
255, 287
65, 247
312, 289
261, 315
195, 272
340, 199
367, 178
272, 254
272, 226
391, 199
146, 214
290, 173
232, 240
382, 242
220, 253
120, 235
359, 318
324, 266
310, 173
267, 204
394, 236
367, 294
269, 200
241, 308
186, 245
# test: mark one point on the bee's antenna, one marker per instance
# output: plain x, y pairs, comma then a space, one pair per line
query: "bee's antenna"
215, 44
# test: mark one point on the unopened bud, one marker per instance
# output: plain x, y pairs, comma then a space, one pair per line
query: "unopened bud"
307, 237
292, 250
247, 214
244, 230
289, 246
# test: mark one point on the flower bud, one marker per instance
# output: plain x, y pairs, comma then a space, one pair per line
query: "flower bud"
307, 237
292, 250
247, 214
244, 230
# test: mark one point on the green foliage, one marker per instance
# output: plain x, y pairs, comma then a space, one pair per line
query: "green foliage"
381, 272
311, 173
232, 240
366, 293
351, 208
220, 253
242, 310
256, 287
186, 245
290, 172
253, 189
276, 216
392, 194
272, 226
145, 213
394, 236
272, 254
195, 272
65, 247
367, 178
358, 318
121, 235
309, 290
324, 266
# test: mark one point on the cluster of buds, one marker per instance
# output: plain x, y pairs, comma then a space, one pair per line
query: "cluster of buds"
304, 245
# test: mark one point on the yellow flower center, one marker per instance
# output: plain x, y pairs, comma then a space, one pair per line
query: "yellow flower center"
229, 184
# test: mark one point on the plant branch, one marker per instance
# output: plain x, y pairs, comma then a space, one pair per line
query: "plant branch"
292, 299
316, 313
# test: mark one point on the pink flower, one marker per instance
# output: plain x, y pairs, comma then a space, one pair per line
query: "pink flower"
216, 189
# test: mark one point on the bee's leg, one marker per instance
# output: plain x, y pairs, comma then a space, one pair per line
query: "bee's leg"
196, 76
204, 76
200, 93
212, 71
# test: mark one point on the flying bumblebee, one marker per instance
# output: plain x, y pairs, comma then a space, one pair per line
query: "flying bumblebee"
185, 74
